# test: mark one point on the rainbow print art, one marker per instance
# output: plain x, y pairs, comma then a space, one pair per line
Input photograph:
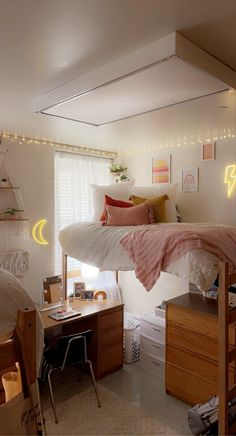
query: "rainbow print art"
161, 170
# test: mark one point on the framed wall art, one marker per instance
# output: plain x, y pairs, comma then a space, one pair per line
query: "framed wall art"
208, 151
161, 169
190, 179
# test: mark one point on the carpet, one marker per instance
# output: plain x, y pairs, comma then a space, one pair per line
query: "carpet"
78, 413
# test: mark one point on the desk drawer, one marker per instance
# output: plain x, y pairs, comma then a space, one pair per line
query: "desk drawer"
111, 358
153, 331
111, 336
152, 347
111, 319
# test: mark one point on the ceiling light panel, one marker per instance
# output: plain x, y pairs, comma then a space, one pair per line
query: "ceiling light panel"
153, 77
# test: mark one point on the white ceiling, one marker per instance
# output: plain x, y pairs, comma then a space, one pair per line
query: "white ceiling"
45, 43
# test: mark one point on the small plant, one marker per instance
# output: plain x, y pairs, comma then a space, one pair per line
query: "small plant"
117, 168
12, 211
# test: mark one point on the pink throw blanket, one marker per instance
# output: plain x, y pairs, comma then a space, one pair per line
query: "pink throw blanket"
152, 249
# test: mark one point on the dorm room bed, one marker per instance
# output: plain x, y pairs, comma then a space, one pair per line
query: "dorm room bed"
191, 251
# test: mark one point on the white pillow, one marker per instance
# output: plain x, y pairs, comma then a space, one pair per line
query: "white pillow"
157, 190
119, 191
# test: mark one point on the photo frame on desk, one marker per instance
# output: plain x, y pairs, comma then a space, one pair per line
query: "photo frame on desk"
87, 295
79, 287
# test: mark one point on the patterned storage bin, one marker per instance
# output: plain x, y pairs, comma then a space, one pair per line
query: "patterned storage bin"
131, 338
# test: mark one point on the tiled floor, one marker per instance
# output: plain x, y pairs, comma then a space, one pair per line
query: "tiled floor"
133, 402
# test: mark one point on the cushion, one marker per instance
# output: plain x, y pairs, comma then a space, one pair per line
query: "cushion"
157, 190
120, 191
158, 204
132, 216
109, 201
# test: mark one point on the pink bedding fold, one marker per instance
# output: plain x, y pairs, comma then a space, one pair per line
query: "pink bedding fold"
153, 249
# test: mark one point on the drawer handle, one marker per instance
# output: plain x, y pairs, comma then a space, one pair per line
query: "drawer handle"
156, 330
155, 363
156, 346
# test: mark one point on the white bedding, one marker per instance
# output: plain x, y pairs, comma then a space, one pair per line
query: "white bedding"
100, 246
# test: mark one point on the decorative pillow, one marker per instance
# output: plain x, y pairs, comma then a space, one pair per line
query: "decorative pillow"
157, 190
132, 216
109, 201
120, 191
158, 204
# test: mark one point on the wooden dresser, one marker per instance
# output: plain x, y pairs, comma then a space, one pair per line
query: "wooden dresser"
192, 348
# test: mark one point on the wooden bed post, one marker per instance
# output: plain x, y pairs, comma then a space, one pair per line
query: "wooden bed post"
64, 275
226, 318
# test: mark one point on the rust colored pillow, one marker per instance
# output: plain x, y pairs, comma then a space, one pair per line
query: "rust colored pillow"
158, 204
109, 201
134, 216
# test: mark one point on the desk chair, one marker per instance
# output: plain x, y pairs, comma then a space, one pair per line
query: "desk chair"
68, 350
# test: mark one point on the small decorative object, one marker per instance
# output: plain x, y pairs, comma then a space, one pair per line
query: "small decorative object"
100, 295
37, 232
87, 295
161, 169
4, 183
12, 213
78, 288
118, 170
208, 151
230, 178
190, 180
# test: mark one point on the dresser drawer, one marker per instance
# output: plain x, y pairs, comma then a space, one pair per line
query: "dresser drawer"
152, 364
111, 319
152, 347
195, 343
188, 387
153, 331
192, 320
198, 365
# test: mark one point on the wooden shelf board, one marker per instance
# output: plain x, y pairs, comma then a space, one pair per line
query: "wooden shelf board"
9, 187
15, 219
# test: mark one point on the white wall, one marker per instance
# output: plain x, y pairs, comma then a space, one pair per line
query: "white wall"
33, 168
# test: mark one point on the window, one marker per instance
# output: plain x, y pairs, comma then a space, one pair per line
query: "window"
73, 201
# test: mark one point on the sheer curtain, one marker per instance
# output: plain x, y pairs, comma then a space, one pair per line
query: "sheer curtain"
73, 201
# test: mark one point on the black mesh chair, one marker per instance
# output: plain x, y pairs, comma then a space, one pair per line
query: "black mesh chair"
68, 351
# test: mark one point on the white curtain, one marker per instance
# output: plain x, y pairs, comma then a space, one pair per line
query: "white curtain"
73, 201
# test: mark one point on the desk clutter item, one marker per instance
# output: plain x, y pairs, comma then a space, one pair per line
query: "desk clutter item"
152, 344
59, 315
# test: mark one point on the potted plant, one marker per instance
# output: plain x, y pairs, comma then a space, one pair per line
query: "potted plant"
117, 169
12, 213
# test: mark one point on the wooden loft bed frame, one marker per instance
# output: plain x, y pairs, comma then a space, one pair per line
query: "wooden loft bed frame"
22, 348
227, 353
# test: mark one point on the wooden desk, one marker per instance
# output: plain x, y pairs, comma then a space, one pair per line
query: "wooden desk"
105, 318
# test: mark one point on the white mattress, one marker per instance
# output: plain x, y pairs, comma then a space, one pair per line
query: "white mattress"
100, 246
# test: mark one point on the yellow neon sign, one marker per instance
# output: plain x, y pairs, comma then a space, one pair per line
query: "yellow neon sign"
37, 232
230, 178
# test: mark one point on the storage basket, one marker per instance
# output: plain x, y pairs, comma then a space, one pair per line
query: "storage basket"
131, 338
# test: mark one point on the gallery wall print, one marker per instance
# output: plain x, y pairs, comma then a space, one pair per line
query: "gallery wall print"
208, 151
161, 169
190, 179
